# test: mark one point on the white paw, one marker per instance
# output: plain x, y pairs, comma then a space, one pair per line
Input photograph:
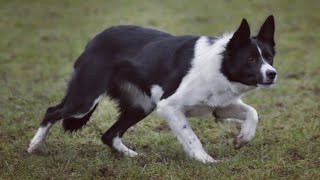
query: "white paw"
243, 138
38, 137
130, 153
120, 147
204, 157
32, 147
35, 144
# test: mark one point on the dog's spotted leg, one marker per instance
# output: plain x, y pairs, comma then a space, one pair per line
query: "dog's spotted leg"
52, 116
39, 137
179, 125
241, 111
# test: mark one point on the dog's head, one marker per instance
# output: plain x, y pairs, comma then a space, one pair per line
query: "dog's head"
249, 60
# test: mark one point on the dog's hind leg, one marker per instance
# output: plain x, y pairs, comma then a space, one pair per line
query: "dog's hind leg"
74, 117
134, 105
90, 80
83, 95
127, 118
77, 120
52, 115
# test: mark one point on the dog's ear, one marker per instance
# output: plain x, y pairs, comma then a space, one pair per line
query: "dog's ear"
240, 37
266, 33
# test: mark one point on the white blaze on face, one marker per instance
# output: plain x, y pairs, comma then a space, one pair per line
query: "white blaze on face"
265, 67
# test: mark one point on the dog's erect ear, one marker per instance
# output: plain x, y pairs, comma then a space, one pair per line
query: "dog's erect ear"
240, 37
266, 33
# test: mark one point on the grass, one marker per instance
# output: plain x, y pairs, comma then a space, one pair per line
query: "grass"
39, 40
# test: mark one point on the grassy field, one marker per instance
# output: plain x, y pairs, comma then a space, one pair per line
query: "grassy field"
39, 41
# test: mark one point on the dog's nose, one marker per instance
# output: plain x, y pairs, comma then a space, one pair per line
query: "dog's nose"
271, 74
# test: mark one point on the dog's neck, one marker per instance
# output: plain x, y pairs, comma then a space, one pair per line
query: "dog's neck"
206, 69
241, 89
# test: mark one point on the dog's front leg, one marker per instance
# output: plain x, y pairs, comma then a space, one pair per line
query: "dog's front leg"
240, 110
179, 125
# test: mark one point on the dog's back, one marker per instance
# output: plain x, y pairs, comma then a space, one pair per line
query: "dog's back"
118, 61
141, 56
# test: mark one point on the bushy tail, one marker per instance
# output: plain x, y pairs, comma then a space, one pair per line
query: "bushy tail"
74, 124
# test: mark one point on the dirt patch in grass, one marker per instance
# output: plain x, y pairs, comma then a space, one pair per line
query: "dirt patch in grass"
163, 127
106, 172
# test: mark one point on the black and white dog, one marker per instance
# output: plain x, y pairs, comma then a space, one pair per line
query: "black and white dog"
179, 76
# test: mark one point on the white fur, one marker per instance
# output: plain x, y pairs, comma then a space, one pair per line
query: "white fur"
204, 88
137, 97
265, 68
38, 138
156, 93
119, 146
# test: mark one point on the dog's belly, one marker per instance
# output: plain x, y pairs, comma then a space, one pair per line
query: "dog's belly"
198, 111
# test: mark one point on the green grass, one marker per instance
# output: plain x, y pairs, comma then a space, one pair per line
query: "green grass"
39, 40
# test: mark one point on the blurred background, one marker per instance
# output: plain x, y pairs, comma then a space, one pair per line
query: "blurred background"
39, 41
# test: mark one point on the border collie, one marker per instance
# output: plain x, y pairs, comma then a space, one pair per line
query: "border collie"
178, 76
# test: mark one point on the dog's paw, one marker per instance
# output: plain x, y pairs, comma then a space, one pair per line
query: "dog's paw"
239, 142
242, 140
34, 144
32, 147
204, 157
130, 153
245, 136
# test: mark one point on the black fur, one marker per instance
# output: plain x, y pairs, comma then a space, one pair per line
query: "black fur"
74, 124
242, 61
144, 57
139, 56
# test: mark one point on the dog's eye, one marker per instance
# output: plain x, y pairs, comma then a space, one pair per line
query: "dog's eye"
269, 58
252, 60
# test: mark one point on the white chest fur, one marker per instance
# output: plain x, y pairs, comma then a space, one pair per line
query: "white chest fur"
201, 90
203, 104
205, 87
